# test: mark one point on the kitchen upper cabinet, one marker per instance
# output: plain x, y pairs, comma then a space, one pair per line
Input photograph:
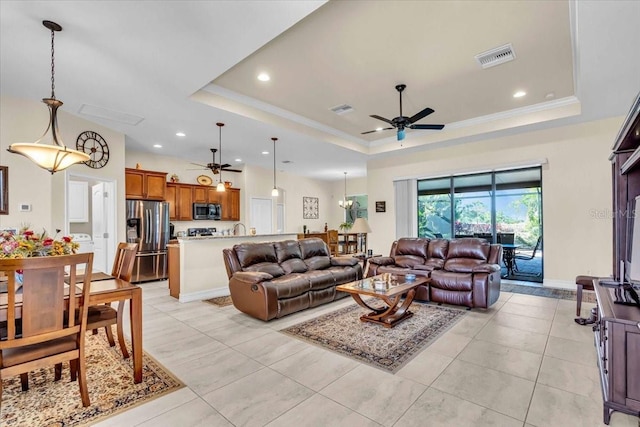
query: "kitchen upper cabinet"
180, 198
230, 205
213, 196
200, 194
145, 185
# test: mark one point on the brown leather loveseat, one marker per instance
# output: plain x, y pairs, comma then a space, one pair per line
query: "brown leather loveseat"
462, 271
270, 280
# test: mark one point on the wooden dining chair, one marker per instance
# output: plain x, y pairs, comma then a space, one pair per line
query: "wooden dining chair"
104, 315
38, 331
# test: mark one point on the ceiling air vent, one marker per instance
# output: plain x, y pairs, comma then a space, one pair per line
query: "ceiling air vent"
496, 56
342, 109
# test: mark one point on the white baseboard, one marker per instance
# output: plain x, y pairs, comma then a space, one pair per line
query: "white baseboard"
202, 295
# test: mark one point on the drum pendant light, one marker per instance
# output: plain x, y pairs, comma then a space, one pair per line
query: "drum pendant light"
56, 156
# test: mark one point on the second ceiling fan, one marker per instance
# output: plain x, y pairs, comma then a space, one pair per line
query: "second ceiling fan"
403, 122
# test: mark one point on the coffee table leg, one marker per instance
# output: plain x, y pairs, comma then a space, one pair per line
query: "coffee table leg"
387, 316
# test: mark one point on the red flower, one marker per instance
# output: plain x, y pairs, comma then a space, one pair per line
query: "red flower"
28, 233
67, 239
48, 241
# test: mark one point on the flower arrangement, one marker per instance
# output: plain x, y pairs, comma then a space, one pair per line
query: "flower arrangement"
26, 243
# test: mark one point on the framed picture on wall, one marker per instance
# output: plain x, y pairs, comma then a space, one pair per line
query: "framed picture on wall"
381, 206
310, 208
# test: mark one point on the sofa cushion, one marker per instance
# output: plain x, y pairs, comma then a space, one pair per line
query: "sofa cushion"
254, 253
318, 262
451, 281
438, 249
290, 285
344, 274
266, 267
287, 250
294, 265
313, 247
467, 254
320, 279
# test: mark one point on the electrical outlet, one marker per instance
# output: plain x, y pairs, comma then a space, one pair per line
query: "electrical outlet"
25, 207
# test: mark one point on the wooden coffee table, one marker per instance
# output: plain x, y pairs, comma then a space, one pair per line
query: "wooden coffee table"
395, 286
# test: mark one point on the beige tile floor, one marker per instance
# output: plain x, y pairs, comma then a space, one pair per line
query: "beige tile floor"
524, 362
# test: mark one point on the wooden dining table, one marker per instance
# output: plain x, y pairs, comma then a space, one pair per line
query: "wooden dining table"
106, 289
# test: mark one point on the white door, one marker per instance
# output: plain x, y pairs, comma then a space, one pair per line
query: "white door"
99, 227
261, 215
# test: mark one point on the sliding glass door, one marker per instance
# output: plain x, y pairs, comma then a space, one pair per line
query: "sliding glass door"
502, 207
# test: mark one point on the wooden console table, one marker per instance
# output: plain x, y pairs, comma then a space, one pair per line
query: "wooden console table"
617, 341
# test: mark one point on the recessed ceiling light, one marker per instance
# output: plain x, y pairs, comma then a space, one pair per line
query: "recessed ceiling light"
265, 152
378, 129
264, 77
238, 160
519, 94
157, 146
180, 134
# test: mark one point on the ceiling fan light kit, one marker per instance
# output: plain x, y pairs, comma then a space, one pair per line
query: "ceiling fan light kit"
220, 187
403, 122
56, 156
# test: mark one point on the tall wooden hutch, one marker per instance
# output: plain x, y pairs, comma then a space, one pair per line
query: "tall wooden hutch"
617, 329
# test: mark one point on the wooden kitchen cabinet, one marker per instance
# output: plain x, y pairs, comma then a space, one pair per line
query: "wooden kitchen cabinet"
180, 198
230, 202
145, 185
200, 194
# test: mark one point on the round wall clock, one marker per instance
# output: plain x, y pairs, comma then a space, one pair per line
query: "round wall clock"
95, 146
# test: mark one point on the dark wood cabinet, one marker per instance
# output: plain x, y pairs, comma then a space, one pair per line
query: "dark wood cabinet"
617, 339
617, 329
145, 185
230, 202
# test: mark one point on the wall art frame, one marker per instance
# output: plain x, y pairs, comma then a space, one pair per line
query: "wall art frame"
310, 208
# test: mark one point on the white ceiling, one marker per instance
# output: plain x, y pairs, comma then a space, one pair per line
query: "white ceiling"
184, 65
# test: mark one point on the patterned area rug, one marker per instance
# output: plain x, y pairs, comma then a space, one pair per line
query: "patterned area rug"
547, 292
111, 390
388, 349
220, 301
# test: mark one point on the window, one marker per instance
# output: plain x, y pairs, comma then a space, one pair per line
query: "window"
503, 207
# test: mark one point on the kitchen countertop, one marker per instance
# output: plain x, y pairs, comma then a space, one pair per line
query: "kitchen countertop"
247, 236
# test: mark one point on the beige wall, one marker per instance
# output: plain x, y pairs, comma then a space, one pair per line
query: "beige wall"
24, 121
576, 187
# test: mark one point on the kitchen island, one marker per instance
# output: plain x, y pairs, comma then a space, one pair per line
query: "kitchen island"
196, 266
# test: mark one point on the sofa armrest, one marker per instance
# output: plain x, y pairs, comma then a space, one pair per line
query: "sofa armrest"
344, 261
423, 267
382, 260
486, 268
251, 277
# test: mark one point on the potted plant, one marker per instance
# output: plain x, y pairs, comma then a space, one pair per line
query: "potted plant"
345, 226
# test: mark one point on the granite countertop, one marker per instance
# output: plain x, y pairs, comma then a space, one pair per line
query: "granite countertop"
248, 236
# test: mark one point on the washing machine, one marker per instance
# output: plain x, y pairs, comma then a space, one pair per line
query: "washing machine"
84, 240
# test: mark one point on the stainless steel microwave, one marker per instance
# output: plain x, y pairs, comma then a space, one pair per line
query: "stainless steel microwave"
210, 211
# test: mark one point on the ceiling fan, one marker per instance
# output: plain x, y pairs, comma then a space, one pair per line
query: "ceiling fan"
403, 122
216, 167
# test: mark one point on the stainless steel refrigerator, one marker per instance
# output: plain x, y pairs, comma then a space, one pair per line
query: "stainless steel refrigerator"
148, 226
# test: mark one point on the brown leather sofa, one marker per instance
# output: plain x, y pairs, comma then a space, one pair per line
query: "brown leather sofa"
462, 271
273, 279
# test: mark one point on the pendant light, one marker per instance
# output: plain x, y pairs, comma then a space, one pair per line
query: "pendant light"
220, 187
274, 192
55, 156
346, 204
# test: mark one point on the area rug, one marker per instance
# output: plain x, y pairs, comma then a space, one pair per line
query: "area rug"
110, 383
220, 301
342, 331
547, 292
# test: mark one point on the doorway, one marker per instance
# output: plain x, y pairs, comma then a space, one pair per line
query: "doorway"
96, 198
261, 215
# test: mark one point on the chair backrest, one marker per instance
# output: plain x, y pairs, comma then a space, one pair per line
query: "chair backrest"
124, 261
537, 247
35, 311
332, 237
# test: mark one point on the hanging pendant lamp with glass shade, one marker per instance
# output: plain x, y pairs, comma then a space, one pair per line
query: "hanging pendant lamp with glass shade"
55, 156
220, 187
274, 192
345, 203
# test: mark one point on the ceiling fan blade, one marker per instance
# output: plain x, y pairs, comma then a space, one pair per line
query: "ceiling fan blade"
431, 127
372, 131
226, 165
382, 118
422, 114
231, 170
198, 164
